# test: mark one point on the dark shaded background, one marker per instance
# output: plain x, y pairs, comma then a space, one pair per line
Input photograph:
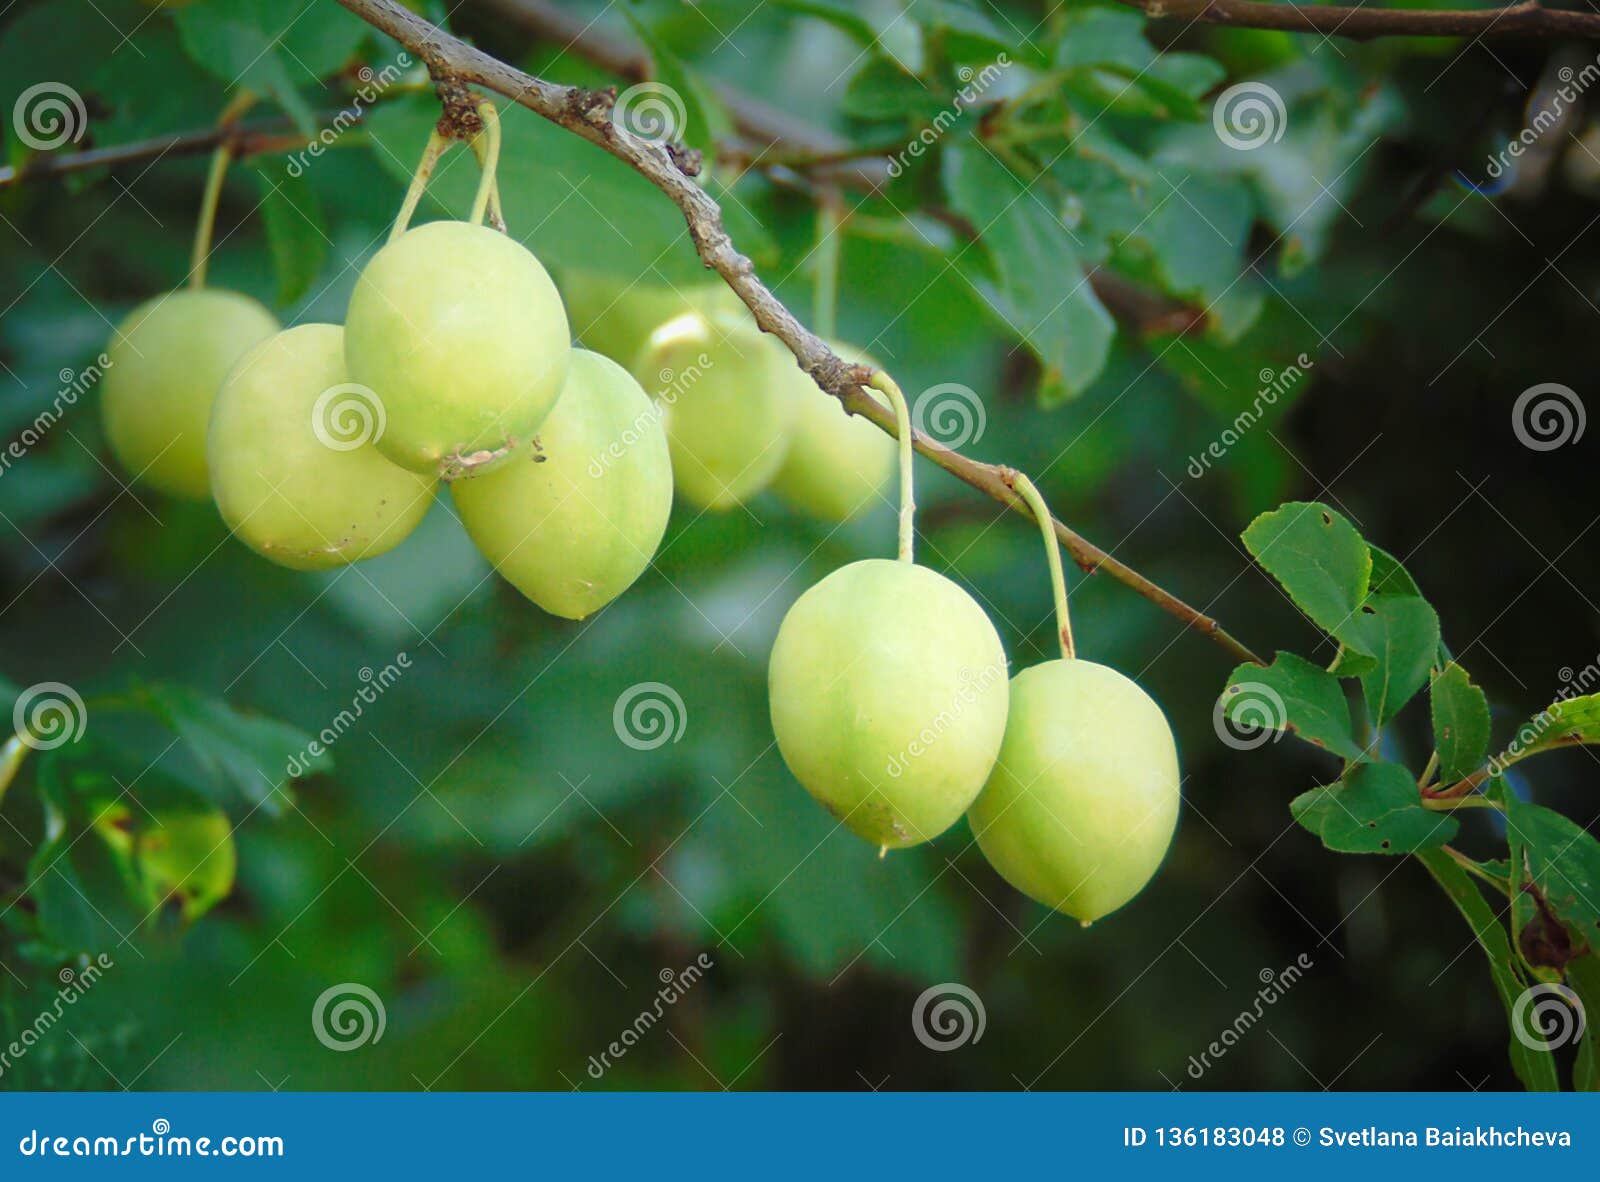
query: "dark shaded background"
511, 879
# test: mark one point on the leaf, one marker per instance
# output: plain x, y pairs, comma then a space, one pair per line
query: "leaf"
1042, 292
235, 42
1401, 632
1535, 1066
1374, 810
670, 71
1294, 695
88, 893
1562, 863
1317, 557
839, 14
1568, 722
245, 751
1197, 234
1583, 978
882, 91
1460, 713
297, 236
185, 852
1389, 577
1102, 41
1104, 37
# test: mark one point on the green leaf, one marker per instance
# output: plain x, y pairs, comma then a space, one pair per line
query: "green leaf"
88, 892
839, 14
1190, 74
1401, 632
1317, 557
1535, 1066
297, 236
236, 41
1561, 860
1104, 37
671, 72
184, 853
1569, 722
1583, 978
1460, 722
1374, 810
1389, 577
1294, 695
1041, 292
249, 753
1197, 234
882, 91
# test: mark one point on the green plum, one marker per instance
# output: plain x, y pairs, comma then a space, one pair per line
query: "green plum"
293, 467
168, 359
462, 335
576, 520
1083, 802
888, 693
730, 393
614, 317
838, 464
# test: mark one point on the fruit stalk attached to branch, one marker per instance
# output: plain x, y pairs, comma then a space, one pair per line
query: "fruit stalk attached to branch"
1052, 553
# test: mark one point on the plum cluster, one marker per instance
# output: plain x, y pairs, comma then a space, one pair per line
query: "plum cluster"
891, 699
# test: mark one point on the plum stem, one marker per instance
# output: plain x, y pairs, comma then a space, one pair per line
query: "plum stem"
12, 754
200, 254
486, 146
437, 143
1052, 554
825, 273
908, 502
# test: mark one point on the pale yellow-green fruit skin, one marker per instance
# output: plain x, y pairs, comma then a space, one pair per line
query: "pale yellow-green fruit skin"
283, 489
616, 317
730, 394
573, 522
888, 692
1084, 799
460, 332
168, 359
838, 464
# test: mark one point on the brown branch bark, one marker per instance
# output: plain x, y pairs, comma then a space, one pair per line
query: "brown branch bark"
1526, 20
270, 136
587, 114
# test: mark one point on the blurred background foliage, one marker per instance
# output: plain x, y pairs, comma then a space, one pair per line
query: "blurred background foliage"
484, 853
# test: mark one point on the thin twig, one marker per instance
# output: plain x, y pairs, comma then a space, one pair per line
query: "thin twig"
1529, 20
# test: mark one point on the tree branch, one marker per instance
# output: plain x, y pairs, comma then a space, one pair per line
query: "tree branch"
1529, 19
587, 114
779, 140
269, 136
